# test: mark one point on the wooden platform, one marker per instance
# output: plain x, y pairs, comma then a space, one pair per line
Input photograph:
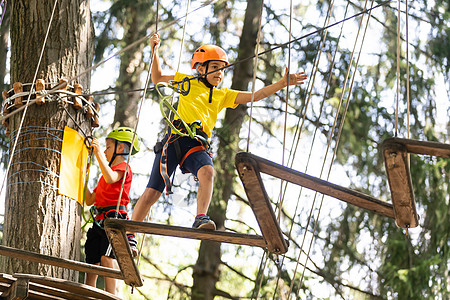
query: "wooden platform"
59, 262
395, 153
26, 286
248, 160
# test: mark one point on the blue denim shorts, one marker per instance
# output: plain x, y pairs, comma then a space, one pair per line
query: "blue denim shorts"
191, 164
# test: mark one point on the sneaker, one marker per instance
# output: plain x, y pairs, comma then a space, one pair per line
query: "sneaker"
133, 244
204, 222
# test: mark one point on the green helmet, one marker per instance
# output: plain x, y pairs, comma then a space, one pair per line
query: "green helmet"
125, 134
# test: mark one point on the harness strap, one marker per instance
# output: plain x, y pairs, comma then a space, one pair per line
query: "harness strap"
193, 150
101, 210
199, 135
163, 167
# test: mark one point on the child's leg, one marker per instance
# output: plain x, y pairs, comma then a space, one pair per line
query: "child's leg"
145, 202
205, 177
110, 283
91, 279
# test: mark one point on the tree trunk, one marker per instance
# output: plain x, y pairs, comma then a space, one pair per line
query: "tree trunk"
37, 218
131, 65
206, 271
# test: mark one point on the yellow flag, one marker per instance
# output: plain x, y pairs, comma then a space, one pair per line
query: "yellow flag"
74, 156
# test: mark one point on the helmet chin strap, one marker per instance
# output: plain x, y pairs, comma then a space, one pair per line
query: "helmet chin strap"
115, 154
203, 78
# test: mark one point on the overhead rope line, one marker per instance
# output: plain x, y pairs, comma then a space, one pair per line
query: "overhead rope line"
299, 38
29, 97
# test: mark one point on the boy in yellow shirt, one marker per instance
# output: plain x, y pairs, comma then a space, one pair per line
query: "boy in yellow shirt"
203, 103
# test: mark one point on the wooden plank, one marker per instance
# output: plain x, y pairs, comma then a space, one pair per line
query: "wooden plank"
184, 232
119, 243
18, 290
60, 262
399, 177
420, 147
316, 184
83, 291
260, 203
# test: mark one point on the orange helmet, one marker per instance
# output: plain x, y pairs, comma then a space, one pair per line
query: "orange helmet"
208, 52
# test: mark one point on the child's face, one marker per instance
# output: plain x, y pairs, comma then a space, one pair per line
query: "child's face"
109, 151
216, 77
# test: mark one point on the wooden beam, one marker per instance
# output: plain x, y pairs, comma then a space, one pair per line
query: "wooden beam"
260, 203
316, 184
119, 243
65, 288
399, 177
17, 291
420, 147
59, 262
184, 232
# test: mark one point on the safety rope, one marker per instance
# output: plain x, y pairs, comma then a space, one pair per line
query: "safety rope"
3, 6
407, 76
308, 160
397, 71
255, 68
339, 132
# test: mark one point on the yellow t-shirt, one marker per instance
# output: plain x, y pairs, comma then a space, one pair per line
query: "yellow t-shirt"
195, 106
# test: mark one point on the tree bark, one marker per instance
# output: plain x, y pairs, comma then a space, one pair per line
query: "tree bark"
206, 270
37, 218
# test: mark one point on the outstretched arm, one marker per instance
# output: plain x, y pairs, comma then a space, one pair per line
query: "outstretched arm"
157, 75
294, 79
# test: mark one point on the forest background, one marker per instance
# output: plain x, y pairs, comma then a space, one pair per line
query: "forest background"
353, 254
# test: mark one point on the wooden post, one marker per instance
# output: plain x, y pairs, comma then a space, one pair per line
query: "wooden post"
18, 88
95, 122
77, 89
40, 86
63, 83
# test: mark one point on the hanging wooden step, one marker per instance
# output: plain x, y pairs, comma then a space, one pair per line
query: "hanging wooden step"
420, 147
27, 286
249, 173
184, 232
119, 243
59, 262
395, 153
247, 160
116, 231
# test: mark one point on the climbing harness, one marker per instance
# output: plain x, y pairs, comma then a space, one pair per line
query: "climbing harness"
178, 129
